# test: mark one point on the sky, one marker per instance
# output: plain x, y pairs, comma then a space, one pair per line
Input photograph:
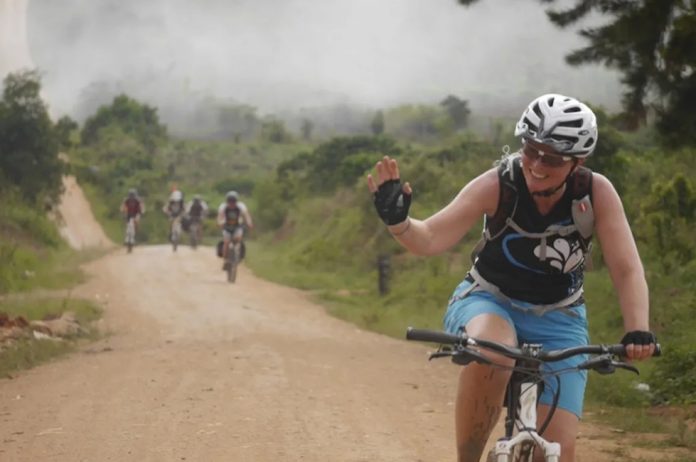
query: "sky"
282, 55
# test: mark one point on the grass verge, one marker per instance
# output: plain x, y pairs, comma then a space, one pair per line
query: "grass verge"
351, 295
30, 352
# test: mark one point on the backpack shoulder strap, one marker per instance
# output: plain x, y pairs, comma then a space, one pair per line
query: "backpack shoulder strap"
581, 183
507, 203
581, 193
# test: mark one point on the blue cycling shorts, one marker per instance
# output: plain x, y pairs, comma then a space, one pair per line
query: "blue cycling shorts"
553, 330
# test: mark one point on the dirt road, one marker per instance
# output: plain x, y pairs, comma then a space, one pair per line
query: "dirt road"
77, 224
201, 370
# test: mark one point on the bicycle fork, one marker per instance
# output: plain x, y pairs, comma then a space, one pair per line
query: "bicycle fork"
521, 435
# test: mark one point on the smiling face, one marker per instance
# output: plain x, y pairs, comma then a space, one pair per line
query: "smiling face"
544, 168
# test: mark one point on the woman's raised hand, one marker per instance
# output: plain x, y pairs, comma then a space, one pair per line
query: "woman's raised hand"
392, 200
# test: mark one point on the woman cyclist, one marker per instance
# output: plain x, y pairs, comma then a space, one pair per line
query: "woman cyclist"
527, 278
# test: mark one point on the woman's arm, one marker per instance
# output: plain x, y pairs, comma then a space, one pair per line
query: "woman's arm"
622, 259
444, 229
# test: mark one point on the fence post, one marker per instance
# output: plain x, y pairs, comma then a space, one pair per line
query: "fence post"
383, 273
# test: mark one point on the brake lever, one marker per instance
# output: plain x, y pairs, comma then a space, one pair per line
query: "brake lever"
626, 366
442, 351
461, 356
605, 364
466, 356
439, 354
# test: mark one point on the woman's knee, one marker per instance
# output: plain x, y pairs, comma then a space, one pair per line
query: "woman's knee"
494, 328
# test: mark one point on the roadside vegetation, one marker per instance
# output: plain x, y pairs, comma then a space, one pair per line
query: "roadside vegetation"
32, 254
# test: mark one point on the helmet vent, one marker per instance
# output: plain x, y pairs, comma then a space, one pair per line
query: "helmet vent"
537, 111
589, 142
577, 123
572, 109
551, 101
532, 127
572, 139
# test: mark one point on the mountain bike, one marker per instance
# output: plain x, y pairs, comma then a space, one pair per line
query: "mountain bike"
175, 233
233, 259
195, 228
130, 234
521, 436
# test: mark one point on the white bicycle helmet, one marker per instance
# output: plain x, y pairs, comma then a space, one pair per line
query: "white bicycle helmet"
560, 122
232, 195
176, 196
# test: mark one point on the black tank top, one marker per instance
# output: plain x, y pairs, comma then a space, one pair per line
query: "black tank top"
511, 261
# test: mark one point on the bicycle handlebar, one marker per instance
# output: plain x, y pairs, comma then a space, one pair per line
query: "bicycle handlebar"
424, 335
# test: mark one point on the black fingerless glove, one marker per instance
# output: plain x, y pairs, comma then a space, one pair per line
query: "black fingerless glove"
391, 202
638, 337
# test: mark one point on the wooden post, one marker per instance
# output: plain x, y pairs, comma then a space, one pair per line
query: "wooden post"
383, 273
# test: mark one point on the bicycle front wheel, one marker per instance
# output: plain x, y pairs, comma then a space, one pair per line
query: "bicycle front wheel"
232, 266
523, 452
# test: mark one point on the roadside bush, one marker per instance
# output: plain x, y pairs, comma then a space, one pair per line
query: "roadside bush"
674, 377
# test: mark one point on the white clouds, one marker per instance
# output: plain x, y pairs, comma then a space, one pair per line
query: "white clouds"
302, 52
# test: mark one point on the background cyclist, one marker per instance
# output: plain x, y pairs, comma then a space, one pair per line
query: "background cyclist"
232, 216
196, 211
133, 207
174, 209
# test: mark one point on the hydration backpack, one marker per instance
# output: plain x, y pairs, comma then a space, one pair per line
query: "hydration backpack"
580, 185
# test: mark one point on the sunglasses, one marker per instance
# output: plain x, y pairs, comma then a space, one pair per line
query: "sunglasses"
550, 160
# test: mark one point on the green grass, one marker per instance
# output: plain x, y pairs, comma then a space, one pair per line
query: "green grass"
30, 352
32, 254
38, 308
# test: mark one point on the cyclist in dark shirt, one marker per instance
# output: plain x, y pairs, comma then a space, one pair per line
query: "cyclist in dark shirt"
526, 282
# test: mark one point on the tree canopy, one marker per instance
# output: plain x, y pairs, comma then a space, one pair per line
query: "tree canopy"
28, 140
132, 117
653, 44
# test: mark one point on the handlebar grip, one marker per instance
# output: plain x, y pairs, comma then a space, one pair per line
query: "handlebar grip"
432, 336
621, 350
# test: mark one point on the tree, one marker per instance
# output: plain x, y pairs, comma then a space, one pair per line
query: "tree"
653, 44
419, 122
28, 141
134, 118
238, 119
377, 124
65, 127
274, 131
458, 110
307, 127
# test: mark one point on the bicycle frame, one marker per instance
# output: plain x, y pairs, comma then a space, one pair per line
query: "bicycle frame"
175, 230
521, 421
232, 260
130, 233
522, 403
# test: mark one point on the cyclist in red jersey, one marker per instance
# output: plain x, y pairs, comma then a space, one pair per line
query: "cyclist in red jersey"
133, 207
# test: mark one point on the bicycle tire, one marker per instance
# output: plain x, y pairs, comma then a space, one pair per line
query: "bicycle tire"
523, 452
130, 236
232, 267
